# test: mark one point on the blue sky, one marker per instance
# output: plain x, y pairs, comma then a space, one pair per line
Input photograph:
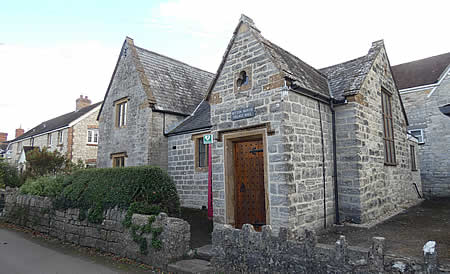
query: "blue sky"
53, 51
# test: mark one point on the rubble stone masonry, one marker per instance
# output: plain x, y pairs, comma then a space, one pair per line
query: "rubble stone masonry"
423, 113
368, 188
38, 213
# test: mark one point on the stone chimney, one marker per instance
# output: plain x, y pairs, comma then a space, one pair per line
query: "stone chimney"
19, 131
82, 102
3, 137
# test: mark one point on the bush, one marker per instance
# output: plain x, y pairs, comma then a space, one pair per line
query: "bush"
44, 162
149, 189
8, 175
47, 186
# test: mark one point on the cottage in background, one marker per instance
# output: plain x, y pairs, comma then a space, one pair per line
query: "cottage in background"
425, 89
74, 134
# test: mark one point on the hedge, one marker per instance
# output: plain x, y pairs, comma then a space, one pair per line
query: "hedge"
145, 189
47, 186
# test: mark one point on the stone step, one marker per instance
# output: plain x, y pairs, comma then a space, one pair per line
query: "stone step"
204, 253
191, 266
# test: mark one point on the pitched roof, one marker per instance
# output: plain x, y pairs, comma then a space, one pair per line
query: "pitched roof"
176, 86
305, 75
346, 78
420, 72
199, 120
58, 122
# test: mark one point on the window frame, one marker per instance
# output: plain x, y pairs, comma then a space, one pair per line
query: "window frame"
121, 109
412, 153
94, 134
60, 137
49, 140
421, 135
198, 140
388, 128
118, 156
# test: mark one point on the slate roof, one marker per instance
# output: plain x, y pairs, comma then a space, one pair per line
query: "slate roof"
306, 76
55, 123
347, 77
176, 86
199, 120
420, 72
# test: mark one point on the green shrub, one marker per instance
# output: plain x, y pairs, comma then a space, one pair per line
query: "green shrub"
9, 175
47, 186
149, 189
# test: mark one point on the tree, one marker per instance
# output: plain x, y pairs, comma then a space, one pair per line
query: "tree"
8, 175
45, 162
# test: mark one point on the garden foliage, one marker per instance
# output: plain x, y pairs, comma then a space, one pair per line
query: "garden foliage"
144, 190
8, 175
47, 186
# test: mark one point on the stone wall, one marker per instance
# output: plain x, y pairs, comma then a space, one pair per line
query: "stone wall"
423, 113
158, 142
81, 150
143, 137
132, 139
263, 92
295, 166
37, 213
192, 185
310, 174
368, 188
247, 251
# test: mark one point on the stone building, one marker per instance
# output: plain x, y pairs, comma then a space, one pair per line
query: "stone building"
295, 146
74, 134
147, 95
425, 89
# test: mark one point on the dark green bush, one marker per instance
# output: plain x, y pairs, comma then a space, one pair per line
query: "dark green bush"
149, 189
47, 186
9, 175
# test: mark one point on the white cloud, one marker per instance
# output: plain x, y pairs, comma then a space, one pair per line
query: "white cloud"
320, 32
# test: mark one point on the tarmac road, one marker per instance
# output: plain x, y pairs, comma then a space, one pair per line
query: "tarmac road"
22, 255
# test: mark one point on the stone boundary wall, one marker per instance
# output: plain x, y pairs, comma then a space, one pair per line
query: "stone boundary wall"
248, 251
37, 213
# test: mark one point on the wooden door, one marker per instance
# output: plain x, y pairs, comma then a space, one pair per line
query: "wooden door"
250, 195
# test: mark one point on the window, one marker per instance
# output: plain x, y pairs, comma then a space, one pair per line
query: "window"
60, 137
19, 147
418, 133
92, 136
243, 79
201, 154
388, 129
121, 112
118, 159
49, 140
412, 150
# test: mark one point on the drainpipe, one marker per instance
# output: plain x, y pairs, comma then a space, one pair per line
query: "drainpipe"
331, 102
336, 192
323, 169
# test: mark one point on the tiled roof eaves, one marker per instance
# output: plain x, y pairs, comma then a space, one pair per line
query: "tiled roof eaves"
66, 121
174, 60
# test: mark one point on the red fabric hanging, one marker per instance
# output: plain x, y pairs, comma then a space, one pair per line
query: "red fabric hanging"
210, 200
